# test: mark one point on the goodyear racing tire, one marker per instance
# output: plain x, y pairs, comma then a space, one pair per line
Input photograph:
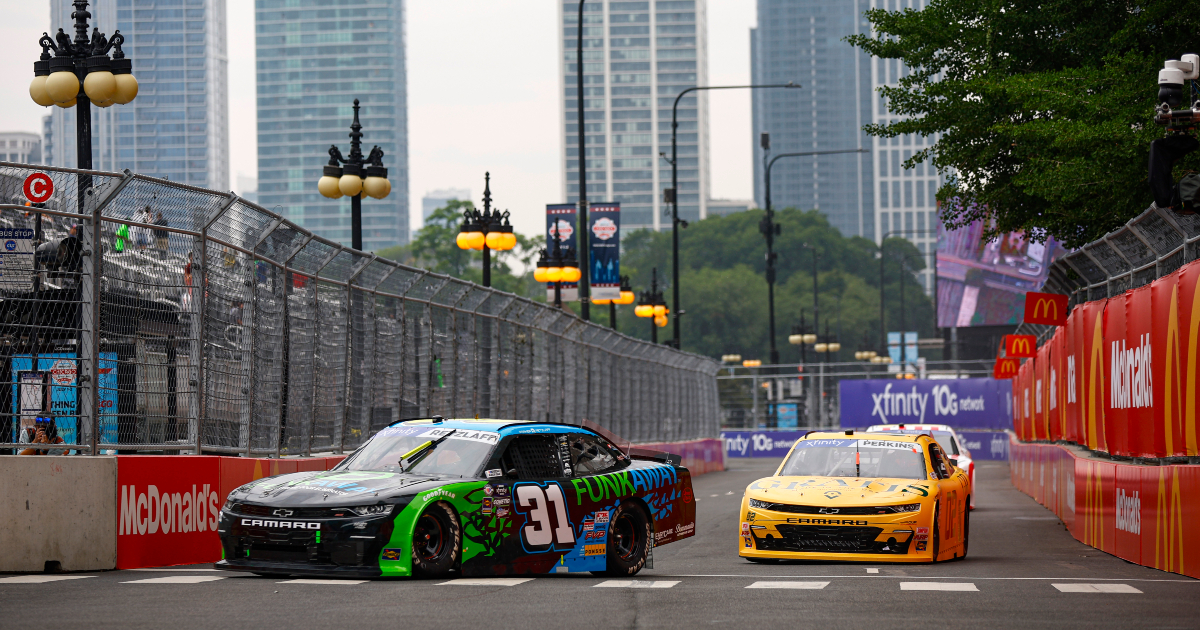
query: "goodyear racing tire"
937, 535
629, 536
437, 539
966, 529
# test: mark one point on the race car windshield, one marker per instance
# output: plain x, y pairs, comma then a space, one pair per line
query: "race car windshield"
943, 438
855, 458
454, 457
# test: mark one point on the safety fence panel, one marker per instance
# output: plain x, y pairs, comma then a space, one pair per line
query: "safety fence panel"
156, 317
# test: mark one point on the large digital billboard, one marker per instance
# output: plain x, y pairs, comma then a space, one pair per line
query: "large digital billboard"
983, 283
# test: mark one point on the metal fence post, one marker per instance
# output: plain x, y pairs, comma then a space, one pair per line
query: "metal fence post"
346, 386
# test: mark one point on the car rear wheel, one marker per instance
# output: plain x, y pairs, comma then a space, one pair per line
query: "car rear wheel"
629, 536
437, 538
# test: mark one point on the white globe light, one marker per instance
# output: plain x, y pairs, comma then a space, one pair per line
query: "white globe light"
100, 86
127, 89
350, 185
37, 91
62, 86
328, 187
377, 187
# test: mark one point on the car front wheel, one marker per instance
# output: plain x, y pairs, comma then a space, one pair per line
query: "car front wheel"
436, 541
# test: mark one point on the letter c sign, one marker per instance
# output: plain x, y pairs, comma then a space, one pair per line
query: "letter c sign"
38, 187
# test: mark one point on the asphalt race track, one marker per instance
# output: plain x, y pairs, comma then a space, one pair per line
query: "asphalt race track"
1024, 571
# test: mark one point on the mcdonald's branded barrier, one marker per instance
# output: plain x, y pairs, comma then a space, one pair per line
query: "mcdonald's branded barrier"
135, 511
984, 445
1149, 515
1122, 376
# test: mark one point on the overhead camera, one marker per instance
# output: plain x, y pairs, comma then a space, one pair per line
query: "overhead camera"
1172, 83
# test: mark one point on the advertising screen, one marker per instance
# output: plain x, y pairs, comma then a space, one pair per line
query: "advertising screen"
983, 283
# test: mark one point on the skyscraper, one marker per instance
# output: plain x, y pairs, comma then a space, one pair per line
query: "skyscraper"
906, 203
177, 127
20, 146
802, 42
314, 58
638, 56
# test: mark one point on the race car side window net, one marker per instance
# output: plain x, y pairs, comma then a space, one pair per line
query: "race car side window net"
532, 457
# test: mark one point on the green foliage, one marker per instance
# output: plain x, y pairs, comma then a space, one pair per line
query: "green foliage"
724, 288
1042, 110
435, 248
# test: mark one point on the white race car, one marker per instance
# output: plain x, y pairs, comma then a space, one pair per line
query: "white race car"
946, 437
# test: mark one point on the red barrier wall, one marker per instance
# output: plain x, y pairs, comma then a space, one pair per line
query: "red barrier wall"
1122, 375
1144, 514
168, 504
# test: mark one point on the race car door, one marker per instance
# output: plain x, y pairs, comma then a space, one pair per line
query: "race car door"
543, 533
952, 498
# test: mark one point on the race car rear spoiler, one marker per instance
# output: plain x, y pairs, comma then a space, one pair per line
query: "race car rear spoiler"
655, 456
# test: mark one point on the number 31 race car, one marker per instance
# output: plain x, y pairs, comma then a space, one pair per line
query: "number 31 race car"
465, 497
858, 496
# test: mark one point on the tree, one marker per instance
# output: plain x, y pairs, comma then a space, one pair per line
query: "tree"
1041, 109
724, 289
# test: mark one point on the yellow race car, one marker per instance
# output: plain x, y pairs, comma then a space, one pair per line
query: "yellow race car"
874, 497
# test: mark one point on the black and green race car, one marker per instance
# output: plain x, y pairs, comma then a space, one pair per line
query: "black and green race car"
464, 497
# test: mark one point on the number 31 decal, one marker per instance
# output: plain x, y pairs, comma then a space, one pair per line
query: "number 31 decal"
542, 532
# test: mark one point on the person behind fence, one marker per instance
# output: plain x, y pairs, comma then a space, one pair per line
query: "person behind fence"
161, 236
43, 431
141, 234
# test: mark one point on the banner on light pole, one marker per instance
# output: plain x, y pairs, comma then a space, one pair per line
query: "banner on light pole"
560, 224
605, 250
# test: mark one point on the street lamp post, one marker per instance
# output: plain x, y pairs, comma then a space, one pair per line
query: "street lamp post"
770, 229
625, 298
816, 312
671, 195
557, 266
359, 176
585, 285
81, 74
652, 306
486, 231
883, 344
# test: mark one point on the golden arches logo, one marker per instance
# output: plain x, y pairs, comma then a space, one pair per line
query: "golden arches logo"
1093, 508
1168, 530
1095, 390
1179, 404
1020, 346
1045, 308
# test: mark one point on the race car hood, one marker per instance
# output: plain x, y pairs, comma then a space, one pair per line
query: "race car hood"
833, 491
334, 488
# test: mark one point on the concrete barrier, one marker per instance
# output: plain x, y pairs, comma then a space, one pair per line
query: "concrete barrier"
58, 509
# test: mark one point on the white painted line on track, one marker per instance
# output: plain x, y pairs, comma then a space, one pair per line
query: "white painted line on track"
937, 586
178, 579
815, 586
1095, 588
486, 582
314, 581
872, 570
913, 577
637, 584
40, 579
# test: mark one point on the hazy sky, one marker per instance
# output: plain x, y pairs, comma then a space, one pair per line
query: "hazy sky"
483, 95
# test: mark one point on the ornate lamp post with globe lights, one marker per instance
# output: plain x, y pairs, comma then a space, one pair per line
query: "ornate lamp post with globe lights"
626, 297
486, 230
652, 305
359, 176
80, 74
557, 266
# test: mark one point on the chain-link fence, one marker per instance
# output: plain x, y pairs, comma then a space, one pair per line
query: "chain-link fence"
807, 395
1150, 246
161, 317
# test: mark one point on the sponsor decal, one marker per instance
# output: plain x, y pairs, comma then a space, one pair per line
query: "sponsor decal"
493, 473
603, 488
596, 534
440, 492
1129, 512
595, 550
501, 502
502, 512
921, 545
501, 491
749, 544
832, 494
602, 516
685, 529
588, 526
533, 430
488, 490
248, 522
824, 443
745, 529
825, 521
906, 446
1131, 383
392, 553
487, 437
339, 483
687, 494
487, 505
151, 511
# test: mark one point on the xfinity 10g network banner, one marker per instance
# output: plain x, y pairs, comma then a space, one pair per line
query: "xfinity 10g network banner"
978, 403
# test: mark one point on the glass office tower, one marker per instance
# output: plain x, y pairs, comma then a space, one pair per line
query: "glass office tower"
637, 57
802, 42
177, 128
314, 58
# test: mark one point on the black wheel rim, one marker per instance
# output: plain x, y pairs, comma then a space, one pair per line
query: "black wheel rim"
626, 537
429, 538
